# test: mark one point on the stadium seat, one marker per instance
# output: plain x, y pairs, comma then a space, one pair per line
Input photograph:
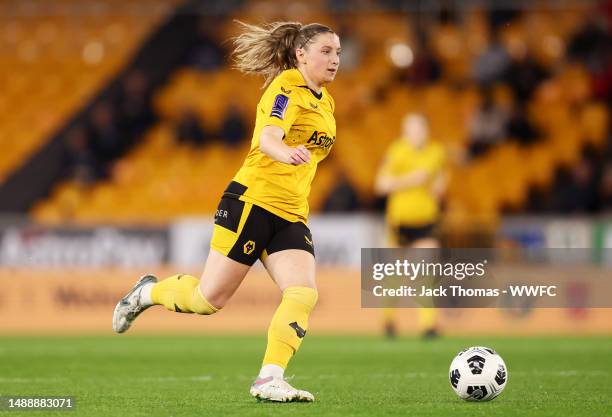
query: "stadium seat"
160, 178
54, 64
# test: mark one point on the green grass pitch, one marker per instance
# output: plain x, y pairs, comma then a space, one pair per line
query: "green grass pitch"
350, 376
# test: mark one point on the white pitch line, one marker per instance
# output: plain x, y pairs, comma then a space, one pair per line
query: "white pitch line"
198, 378
17, 380
410, 375
567, 373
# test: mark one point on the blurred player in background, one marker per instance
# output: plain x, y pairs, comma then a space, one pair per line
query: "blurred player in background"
264, 210
414, 178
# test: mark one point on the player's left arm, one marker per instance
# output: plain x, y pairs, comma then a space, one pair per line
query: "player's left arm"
439, 183
387, 183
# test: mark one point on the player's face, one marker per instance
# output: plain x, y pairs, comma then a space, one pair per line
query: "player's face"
322, 58
416, 129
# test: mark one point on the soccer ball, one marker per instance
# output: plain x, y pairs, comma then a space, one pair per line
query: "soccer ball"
478, 373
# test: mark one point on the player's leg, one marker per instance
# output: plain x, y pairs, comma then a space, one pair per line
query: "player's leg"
183, 293
426, 243
293, 270
186, 294
412, 237
389, 313
428, 317
234, 249
294, 273
389, 320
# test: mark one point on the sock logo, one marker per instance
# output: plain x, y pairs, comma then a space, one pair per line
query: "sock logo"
298, 330
249, 247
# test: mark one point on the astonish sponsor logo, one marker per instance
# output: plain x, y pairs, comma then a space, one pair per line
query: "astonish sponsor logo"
322, 140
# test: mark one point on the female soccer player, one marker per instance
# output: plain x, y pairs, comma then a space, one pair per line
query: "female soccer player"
413, 176
264, 210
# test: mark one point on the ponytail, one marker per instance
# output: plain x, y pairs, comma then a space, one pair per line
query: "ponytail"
270, 49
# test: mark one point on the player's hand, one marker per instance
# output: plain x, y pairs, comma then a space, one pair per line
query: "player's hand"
299, 155
419, 176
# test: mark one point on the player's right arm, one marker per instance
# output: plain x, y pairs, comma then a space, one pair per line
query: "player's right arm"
280, 105
271, 143
386, 183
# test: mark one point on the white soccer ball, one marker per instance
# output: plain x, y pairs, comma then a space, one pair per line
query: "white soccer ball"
478, 373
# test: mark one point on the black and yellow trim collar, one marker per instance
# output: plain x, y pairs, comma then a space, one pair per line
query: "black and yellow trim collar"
294, 76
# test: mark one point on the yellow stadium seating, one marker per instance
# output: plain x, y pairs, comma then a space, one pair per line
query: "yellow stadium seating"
53, 62
161, 179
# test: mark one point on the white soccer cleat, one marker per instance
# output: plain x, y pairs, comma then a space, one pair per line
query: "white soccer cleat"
278, 390
129, 307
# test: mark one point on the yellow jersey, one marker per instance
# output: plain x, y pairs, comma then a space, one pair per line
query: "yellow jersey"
415, 206
307, 118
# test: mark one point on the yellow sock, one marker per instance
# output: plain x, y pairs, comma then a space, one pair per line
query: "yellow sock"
428, 318
389, 314
181, 293
289, 325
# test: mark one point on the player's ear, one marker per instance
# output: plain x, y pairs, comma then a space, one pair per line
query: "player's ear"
300, 54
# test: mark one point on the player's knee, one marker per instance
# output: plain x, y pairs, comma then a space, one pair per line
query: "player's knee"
307, 296
203, 305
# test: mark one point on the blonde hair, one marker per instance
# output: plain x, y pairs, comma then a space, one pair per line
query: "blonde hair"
269, 49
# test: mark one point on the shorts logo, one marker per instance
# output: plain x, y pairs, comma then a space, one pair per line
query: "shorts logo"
308, 240
281, 102
249, 247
